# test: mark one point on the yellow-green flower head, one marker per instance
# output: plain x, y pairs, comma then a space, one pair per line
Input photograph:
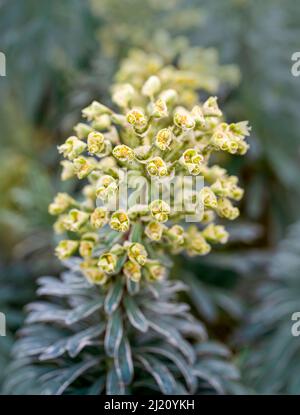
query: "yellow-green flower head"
154, 230
65, 249
208, 198
137, 253
240, 130
160, 109
95, 110
76, 219
107, 186
108, 262
93, 274
123, 153
86, 248
156, 272
157, 167
61, 203
60, 224
82, 130
119, 221
160, 210
198, 115
169, 96
192, 160
236, 193
123, 94
95, 142
243, 148
183, 119
67, 170
210, 108
72, 147
83, 166
163, 139
151, 86
99, 217
220, 187
211, 174
103, 122
137, 118
132, 270
196, 244
215, 234
208, 216
176, 235
226, 210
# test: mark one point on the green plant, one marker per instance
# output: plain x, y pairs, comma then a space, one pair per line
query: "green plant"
271, 356
88, 338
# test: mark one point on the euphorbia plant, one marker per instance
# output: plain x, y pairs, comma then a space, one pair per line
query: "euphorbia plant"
114, 323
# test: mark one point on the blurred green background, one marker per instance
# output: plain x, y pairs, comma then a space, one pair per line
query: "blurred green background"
61, 55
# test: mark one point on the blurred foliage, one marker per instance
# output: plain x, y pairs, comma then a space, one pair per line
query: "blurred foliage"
260, 38
271, 356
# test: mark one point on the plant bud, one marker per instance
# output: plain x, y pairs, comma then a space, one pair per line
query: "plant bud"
123, 153
99, 217
163, 139
137, 253
160, 210
83, 166
86, 248
82, 130
76, 219
215, 234
122, 95
107, 187
108, 262
67, 170
226, 210
93, 274
95, 142
151, 86
137, 118
94, 110
61, 203
119, 221
208, 198
210, 108
154, 230
192, 160
132, 270
65, 249
157, 167
72, 148
183, 119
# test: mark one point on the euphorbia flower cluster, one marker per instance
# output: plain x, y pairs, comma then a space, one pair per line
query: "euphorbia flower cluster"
157, 135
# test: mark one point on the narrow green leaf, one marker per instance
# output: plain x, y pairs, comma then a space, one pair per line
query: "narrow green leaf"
135, 316
114, 296
113, 335
123, 362
84, 310
161, 374
114, 386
